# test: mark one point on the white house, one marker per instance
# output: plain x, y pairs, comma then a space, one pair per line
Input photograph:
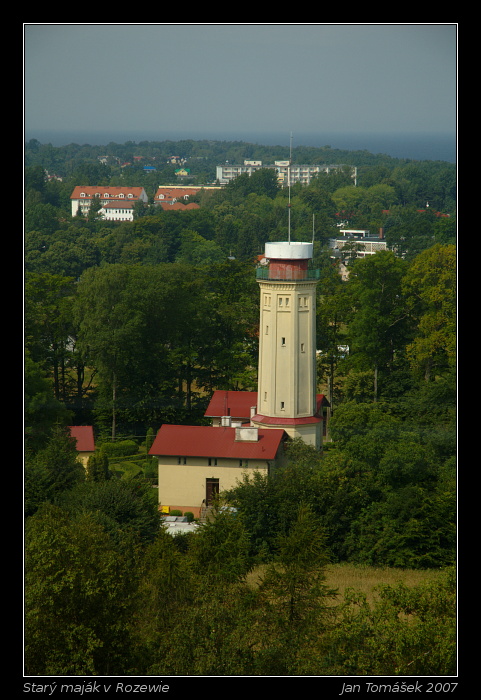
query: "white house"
117, 202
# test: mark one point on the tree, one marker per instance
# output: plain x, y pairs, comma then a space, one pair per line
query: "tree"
124, 507
48, 316
79, 590
262, 182
94, 209
109, 326
332, 313
98, 466
221, 548
430, 288
293, 606
379, 326
51, 470
42, 410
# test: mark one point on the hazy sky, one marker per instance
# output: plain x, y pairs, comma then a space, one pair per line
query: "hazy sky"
240, 77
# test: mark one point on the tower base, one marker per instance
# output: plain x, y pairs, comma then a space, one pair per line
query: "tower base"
308, 429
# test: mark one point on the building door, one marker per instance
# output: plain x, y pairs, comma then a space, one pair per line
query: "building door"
211, 489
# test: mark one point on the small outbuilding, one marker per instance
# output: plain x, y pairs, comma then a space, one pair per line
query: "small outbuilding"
85, 443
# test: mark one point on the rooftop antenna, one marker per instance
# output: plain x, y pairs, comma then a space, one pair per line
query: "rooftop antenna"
289, 188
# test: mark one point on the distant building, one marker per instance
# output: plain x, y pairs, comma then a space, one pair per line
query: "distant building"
120, 197
174, 193
352, 243
298, 173
171, 196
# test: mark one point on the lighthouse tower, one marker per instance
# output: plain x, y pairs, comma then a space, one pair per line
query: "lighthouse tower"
286, 396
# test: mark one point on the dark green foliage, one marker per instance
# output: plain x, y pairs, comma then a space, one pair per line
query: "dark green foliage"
98, 466
384, 492
293, 596
79, 588
124, 506
52, 470
42, 410
120, 448
221, 547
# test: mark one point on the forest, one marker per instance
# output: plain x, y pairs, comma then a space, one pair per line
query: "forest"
132, 325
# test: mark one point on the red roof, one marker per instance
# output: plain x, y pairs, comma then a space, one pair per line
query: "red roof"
231, 403
207, 441
84, 434
237, 404
170, 193
106, 191
179, 205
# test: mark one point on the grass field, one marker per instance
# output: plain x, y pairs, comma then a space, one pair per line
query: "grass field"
366, 578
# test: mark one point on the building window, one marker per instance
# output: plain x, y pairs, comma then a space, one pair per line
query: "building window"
267, 330
282, 405
303, 348
212, 461
181, 460
283, 342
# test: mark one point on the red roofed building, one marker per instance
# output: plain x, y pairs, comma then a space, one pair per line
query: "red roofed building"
196, 462
170, 195
82, 196
179, 206
240, 407
84, 435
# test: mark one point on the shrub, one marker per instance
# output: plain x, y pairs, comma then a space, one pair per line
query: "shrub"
123, 448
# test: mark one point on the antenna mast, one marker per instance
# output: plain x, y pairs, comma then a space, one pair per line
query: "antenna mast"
289, 188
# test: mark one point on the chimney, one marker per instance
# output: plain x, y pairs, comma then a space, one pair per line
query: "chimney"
246, 434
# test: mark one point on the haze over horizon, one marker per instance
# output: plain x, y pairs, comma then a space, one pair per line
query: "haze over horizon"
200, 80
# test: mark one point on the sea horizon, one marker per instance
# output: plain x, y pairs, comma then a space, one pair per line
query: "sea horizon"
412, 146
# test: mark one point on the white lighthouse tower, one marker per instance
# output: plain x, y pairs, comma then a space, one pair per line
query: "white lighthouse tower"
286, 396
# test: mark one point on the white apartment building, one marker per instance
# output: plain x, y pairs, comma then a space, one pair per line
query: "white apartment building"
298, 173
